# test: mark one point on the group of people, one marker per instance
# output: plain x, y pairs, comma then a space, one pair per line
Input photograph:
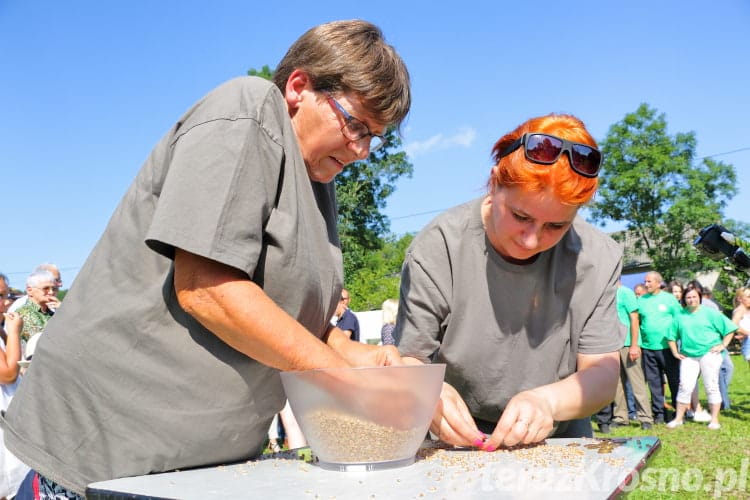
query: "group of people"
221, 267
22, 321
676, 333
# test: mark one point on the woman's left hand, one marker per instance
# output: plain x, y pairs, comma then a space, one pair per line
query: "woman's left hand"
717, 348
384, 355
526, 419
359, 354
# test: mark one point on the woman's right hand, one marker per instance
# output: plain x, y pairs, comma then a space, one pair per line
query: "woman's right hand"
13, 323
452, 422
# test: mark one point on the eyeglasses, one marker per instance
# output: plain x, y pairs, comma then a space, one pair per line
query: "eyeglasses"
546, 149
354, 129
47, 289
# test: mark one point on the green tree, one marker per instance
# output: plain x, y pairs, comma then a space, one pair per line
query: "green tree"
362, 190
651, 182
264, 72
379, 277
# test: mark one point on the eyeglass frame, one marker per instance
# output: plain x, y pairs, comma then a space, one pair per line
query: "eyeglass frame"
48, 289
348, 118
566, 147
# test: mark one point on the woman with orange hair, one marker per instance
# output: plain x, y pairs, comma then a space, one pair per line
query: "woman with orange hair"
516, 294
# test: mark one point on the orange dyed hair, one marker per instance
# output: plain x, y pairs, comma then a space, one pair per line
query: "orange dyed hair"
515, 170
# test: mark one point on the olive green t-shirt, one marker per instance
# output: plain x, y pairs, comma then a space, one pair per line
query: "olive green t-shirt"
125, 382
503, 328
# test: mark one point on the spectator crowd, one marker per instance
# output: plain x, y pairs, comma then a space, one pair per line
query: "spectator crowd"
675, 334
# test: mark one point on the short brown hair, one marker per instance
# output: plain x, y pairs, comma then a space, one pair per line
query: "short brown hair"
352, 56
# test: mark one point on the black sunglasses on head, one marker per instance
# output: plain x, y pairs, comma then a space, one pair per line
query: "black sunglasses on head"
546, 150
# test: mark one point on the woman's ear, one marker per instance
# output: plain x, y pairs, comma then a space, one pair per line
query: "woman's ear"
296, 84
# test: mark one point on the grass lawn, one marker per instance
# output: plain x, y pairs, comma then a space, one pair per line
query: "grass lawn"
695, 462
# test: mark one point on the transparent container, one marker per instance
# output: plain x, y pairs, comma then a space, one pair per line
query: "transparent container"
365, 418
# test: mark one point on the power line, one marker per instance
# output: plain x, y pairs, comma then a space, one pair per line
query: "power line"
26, 273
418, 214
726, 153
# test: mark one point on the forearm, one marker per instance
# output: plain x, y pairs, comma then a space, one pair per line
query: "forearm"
13, 344
586, 391
240, 313
9, 359
340, 341
634, 336
359, 354
673, 347
727, 340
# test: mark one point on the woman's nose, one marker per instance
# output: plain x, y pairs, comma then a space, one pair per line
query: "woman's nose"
361, 147
530, 238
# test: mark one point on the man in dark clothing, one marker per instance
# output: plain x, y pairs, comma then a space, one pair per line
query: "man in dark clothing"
347, 319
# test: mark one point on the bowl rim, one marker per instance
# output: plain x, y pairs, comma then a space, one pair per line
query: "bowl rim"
363, 368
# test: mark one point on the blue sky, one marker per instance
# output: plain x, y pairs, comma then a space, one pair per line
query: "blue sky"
87, 88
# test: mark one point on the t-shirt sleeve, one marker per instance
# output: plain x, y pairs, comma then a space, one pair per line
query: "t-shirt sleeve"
349, 322
631, 302
723, 325
603, 331
424, 304
674, 333
218, 193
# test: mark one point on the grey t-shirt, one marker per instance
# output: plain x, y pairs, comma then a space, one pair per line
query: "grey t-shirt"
503, 328
125, 382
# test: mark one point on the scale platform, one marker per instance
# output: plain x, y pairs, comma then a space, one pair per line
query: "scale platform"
570, 468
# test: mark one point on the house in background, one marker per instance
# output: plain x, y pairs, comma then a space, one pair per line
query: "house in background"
636, 263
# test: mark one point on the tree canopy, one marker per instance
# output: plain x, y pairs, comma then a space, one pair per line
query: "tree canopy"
653, 183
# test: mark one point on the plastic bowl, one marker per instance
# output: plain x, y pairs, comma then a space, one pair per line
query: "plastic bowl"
365, 418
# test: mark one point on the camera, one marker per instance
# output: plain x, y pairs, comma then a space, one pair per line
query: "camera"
717, 242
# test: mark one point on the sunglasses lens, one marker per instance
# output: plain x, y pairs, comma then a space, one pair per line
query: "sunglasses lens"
586, 160
543, 148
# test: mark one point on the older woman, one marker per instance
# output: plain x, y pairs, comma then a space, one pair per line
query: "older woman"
41, 303
220, 267
703, 334
516, 294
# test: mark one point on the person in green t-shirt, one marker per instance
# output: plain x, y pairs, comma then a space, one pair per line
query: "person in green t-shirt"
631, 368
658, 311
703, 334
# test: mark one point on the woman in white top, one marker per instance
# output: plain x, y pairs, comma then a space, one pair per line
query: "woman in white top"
741, 317
12, 471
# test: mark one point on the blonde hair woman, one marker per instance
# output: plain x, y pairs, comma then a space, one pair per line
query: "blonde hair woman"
390, 311
741, 318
